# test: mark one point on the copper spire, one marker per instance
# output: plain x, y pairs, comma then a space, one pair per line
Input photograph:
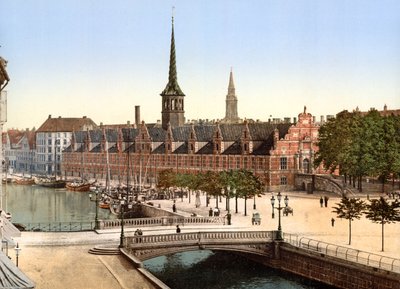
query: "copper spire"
172, 87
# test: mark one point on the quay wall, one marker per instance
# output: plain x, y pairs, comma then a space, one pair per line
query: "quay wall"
329, 270
148, 211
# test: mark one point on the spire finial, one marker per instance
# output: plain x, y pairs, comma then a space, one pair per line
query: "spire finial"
173, 13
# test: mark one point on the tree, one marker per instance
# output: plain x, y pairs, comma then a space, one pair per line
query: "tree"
166, 179
349, 209
381, 212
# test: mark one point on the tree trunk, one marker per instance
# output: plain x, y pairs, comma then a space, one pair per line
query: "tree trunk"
383, 238
383, 184
236, 204
349, 231
361, 187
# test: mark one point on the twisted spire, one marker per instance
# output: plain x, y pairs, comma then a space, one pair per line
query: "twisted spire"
172, 87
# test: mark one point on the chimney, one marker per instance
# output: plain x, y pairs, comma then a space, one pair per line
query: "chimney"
49, 116
137, 115
313, 119
322, 119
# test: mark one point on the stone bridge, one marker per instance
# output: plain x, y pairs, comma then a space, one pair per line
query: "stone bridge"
312, 182
249, 242
334, 265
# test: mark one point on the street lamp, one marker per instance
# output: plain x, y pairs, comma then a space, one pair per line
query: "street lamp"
279, 208
121, 239
272, 203
96, 218
17, 251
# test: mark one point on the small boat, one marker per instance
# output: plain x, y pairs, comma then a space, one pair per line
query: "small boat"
50, 182
104, 205
79, 186
25, 181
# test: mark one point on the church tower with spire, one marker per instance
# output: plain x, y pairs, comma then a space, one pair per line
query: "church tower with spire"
231, 114
172, 111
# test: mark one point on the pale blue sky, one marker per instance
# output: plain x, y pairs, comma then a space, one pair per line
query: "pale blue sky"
96, 58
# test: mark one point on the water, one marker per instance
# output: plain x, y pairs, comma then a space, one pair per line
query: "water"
222, 270
36, 204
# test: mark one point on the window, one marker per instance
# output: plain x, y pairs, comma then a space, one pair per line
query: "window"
283, 163
283, 180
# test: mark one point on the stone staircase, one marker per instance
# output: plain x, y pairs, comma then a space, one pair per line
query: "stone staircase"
104, 251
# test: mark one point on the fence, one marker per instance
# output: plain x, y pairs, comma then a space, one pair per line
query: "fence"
346, 253
59, 227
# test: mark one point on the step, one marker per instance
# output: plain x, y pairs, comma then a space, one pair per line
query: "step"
104, 251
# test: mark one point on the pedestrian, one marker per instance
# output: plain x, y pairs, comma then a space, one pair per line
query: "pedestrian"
174, 208
321, 201
228, 218
333, 222
210, 212
326, 201
178, 230
140, 233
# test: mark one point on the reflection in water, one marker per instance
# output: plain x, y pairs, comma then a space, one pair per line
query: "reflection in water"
35, 204
221, 270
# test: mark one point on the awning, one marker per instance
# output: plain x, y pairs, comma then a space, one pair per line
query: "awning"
10, 275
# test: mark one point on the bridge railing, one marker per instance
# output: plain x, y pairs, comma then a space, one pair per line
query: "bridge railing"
350, 254
59, 227
170, 240
161, 221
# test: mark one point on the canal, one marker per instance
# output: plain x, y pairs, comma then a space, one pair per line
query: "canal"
222, 270
36, 204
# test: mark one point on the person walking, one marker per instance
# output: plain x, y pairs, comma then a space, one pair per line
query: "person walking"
174, 208
333, 222
178, 230
321, 201
326, 198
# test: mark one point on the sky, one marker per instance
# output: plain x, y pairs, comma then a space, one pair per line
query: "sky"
97, 58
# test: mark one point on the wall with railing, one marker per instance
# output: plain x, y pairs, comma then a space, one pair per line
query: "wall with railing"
162, 221
338, 266
345, 253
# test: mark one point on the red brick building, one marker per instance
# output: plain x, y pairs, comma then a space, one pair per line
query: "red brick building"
275, 151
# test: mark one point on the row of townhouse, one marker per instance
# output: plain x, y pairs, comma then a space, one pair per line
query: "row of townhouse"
40, 151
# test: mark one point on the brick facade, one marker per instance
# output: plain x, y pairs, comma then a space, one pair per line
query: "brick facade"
274, 152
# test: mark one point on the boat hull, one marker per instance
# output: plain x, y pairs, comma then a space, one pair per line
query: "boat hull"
24, 181
78, 187
51, 183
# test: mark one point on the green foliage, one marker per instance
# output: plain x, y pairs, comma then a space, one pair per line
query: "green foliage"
166, 179
380, 211
360, 145
349, 209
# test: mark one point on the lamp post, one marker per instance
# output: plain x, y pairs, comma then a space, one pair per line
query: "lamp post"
121, 239
17, 251
272, 203
96, 218
279, 208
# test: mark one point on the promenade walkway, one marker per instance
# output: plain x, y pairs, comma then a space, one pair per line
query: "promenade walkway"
60, 260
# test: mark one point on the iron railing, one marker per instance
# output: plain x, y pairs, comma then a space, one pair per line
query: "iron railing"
346, 253
59, 226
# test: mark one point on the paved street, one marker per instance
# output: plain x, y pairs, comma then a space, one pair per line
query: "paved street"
60, 260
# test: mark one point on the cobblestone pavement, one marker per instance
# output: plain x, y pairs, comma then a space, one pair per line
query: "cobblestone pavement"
60, 260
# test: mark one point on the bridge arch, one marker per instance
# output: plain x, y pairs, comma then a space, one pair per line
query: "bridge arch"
257, 243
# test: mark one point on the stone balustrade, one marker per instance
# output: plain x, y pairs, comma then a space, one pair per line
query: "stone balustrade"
162, 221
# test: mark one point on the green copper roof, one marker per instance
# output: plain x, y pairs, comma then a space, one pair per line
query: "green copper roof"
172, 87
